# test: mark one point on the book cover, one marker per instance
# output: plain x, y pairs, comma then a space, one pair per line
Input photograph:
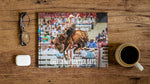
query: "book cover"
72, 40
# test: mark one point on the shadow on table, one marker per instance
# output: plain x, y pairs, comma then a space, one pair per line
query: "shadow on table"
36, 39
111, 52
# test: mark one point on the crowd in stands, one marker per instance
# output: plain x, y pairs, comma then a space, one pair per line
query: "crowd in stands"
101, 38
50, 28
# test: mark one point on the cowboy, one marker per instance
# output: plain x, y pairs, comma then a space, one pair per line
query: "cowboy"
72, 19
92, 44
71, 30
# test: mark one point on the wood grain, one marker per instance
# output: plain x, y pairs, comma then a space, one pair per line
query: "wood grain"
128, 22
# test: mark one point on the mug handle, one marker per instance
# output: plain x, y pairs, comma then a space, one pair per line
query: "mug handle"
139, 66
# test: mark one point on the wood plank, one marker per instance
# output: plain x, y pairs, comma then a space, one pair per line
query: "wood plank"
128, 21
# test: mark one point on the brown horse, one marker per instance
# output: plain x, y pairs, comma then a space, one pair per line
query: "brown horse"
64, 44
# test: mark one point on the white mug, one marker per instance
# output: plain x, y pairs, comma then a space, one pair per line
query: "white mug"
122, 62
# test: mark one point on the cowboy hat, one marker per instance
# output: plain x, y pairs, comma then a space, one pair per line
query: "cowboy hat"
45, 33
71, 16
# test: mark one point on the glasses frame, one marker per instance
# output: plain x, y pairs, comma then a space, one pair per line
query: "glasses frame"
21, 27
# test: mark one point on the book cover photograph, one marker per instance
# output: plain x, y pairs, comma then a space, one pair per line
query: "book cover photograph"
77, 40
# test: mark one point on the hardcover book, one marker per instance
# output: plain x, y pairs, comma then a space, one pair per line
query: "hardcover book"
72, 40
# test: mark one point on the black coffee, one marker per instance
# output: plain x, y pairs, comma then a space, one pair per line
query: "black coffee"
129, 55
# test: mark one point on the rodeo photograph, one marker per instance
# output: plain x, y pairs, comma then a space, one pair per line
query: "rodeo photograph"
72, 40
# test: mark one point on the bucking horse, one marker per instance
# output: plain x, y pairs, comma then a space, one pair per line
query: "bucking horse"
63, 44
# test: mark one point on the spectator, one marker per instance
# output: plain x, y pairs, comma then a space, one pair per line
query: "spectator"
52, 21
59, 20
101, 39
40, 49
55, 34
63, 20
66, 24
63, 28
94, 55
90, 54
91, 22
100, 42
85, 21
46, 30
59, 29
106, 30
104, 40
79, 21
51, 36
103, 34
60, 62
48, 22
44, 21
60, 55
98, 37
40, 38
48, 27
56, 23
92, 44
39, 30
84, 52
53, 29
45, 38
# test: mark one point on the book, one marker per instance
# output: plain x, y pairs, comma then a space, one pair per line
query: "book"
72, 40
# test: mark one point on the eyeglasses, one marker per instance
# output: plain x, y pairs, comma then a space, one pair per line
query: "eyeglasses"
23, 23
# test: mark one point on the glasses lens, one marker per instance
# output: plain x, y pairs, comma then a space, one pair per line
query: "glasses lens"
25, 37
25, 20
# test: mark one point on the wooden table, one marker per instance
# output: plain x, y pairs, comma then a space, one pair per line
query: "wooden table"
128, 22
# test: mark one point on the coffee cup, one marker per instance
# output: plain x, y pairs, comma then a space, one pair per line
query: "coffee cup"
128, 55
